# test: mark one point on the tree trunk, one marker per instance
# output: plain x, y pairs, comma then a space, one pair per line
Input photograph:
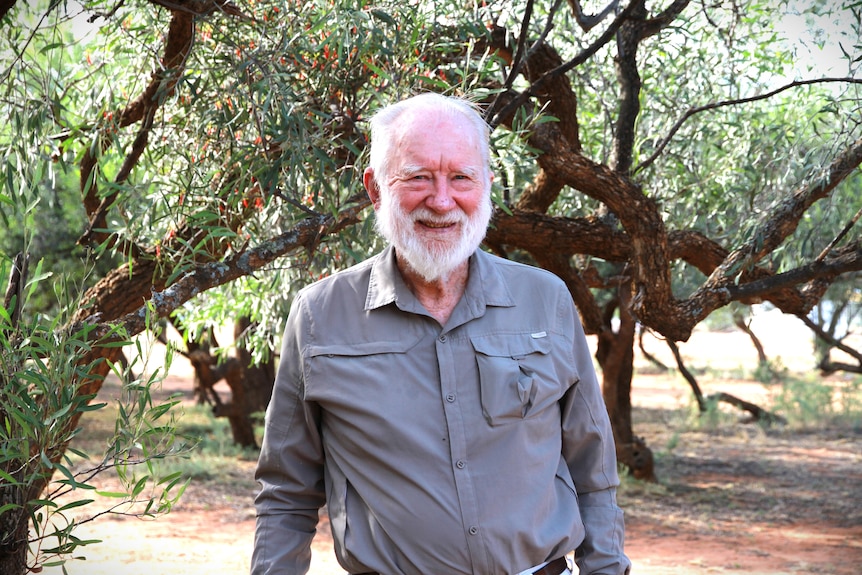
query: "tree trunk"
250, 385
259, 377
14, 524
14, 520
615, 354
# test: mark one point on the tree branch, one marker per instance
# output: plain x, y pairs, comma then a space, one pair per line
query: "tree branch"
629, 80
201, 7
848, 259
819, 332
13, 300
757, 412
213, 274
655, 25
106, 15
520, 58
588, 21
715, 105
164, 80
785, 218
495, 119
840, 235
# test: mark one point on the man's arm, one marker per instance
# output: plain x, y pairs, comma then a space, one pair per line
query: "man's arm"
290, 468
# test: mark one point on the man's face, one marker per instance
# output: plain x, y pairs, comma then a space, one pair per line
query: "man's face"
435, 204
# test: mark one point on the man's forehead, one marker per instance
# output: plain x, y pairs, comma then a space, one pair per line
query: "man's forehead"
453, 164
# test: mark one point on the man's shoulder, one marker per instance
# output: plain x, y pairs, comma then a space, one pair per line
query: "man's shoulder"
519, 272
346, 279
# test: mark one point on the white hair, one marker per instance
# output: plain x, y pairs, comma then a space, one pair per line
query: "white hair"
384, 128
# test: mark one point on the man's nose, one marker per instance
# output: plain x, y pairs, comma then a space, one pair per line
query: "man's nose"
441, 199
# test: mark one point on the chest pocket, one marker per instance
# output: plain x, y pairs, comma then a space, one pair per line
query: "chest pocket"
357, 372
517, 378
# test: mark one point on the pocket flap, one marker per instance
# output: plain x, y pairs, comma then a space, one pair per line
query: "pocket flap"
512, 344
363, 348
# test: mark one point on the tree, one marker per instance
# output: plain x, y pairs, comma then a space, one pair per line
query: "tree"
657, 157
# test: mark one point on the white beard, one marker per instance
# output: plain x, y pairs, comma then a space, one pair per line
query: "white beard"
432, 260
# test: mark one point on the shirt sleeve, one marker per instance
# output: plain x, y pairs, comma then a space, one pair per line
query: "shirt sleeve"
290, 467
588, 447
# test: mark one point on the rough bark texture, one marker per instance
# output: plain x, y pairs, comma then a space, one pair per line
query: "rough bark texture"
615, 353
5, 6
14, 522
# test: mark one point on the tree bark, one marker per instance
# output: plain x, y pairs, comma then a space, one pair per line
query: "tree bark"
5, 6
615, 354
14, 521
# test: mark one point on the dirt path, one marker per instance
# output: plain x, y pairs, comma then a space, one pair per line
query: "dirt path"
731, 499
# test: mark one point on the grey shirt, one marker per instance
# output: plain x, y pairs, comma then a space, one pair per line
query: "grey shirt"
482, 447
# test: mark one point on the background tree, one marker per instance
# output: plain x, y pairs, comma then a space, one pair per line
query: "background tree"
665, 159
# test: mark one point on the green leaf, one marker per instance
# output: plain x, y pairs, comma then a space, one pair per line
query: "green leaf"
112, 494
172, 479
43, 503
75, 504
65, 471
384, 16
8, 507
140, 485
159, 410
91, 407
51, 46
8, 479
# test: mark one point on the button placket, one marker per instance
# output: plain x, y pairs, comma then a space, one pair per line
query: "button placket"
448, 349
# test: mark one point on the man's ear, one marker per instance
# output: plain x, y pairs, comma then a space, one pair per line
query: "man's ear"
370, 183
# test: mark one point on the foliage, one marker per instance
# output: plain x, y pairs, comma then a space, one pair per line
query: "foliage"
839, 314
265, 125
808, 403
770, 371
215, 458
42, 363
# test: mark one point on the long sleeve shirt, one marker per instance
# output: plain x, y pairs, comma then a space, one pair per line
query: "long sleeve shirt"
480, 447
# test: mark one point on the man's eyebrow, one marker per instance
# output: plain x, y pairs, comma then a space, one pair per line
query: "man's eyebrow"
408, 170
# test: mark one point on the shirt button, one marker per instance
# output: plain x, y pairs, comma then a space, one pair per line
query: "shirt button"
474, 530
460, 464
442, 339
450, 398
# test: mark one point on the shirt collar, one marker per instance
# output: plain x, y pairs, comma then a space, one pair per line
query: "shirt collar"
385, 282
485, 286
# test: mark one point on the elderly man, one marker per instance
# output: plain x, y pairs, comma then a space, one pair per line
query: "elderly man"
440, 400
